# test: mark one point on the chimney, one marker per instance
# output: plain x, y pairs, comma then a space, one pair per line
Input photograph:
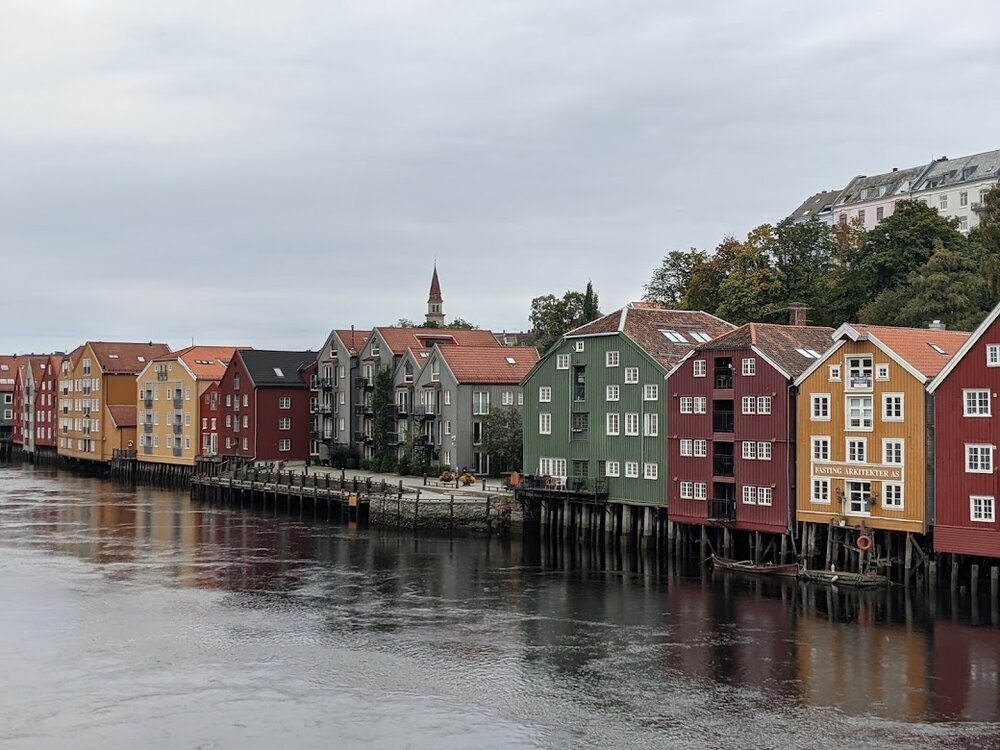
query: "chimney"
895, 169
798, 314
936, 325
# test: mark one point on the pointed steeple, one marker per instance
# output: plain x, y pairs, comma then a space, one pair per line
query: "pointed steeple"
435, 303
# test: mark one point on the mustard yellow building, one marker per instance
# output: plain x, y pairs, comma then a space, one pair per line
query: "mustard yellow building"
863, 428
169, 403
97, 398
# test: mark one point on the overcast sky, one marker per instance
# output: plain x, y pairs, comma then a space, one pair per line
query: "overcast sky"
257, 174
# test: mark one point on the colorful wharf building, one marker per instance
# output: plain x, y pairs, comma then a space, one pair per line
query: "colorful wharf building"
731, 449
35, 405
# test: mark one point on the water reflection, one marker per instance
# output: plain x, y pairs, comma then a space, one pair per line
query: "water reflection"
646, 645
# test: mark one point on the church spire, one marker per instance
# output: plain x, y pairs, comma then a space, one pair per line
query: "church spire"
435, 303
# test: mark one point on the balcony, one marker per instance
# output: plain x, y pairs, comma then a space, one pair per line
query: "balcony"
578, 489
147, 427
178, 402
428, 412
359, 437
859, 382
578, 436
392, 438
178, 428
148, 402
402, 411
178, 452
722, 421
326, 384
723, 379
325, 409
368, 410
161, 375
364, 383
722, 465
722, 509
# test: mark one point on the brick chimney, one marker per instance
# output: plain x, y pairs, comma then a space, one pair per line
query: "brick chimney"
798, 314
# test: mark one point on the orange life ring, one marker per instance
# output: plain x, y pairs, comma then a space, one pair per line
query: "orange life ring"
865, 543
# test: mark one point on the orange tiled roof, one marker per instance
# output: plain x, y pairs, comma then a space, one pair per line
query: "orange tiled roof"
353, 340
124, 416
119, 357
398, 339
206, 362
914, 345
490, 364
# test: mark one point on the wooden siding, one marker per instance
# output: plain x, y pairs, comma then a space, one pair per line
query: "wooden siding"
914, 515
599, 445
178, 377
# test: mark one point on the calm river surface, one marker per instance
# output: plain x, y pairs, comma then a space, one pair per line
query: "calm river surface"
135, 619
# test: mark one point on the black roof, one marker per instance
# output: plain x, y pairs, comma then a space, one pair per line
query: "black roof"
264, 367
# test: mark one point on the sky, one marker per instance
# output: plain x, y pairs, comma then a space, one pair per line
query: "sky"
259, 173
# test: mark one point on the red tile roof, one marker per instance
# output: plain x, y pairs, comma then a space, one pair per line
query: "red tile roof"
206, 362
398, 339
781, 343
490, 364
8, 372
118, 357
352, 339
916, 345
124, 416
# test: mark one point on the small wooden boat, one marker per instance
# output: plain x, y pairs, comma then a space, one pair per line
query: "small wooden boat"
843, 578
746, 566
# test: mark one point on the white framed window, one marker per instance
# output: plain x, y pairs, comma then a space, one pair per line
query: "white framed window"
763, 404
631, 469
859, 496
749, 404
284, 445
859, 412
978, 458
700, 405
246, 420
651, 424
520, 398
447, 397
699, 368
544, 423
612, 393
763, 451
700, 491
857, 450
749, 495
544, 394
748, 366
283, 424
246, 400
612, 468
246, 444
981, 509
820, 410
943, 201
892, 407
480, 403
859, 373
765, 495
687, 447
882, 372
749, 450
993, 355
631, 423
285, 402
892, 452
612, 423
835, 373
579, 345
611, 359
562, 361
552, 467
506, 398
447, 431
892, 495
687, 490
700, 448
977, 402
821, 449
650, 471
650, 392
687, 405
631, 374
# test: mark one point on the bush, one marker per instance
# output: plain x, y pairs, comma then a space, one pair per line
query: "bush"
388, 465
404, 467
350, 463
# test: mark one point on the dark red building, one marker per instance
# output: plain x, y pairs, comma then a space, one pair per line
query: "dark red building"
731, 427
264, 405
966, 435
35, 406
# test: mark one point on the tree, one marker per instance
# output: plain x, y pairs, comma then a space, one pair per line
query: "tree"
462, 324
590, 311
406, 323
669, 283
382, 406
985, 242
503, 438
552, 316
803, 255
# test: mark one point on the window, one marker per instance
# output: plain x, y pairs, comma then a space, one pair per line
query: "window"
507, 398
749, 495
283, 424
699, 368
246, 399
612, 392
749, 366
700, 448
651, 424
963, 199
611, 359
284, 445
977, 402
612, 423
943, 201
821, 449
892, 452
246, 420
861, 214
480, 402
477, 432
882, 372
892, 407
687, 490
562, 361
835, 372
879, 213
892, 495
579, 345
857, 450
687, 404
859, 412
552, 467
447, 397
858, 497
447, 428
631, 423
859, 373
612, 469
963, 223
700, 491
700, 405
285, 402
520, 398
545, 423
749, 404
631, 469
687, 447
650, 471
749, 450
581, 422
544, 394
631, 374
981, 509
821, 407
246, 444
763, 404
650, 392
763, 451
993, 355
978, 459
764, 495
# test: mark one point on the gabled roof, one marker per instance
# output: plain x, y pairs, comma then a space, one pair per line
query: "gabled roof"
272, 368
8, 373
123, 358
353, 341
791, 348
398, 339
885, 186
489, 364
205, 362
816, 204
124, 416
665, 335
969, 343
946, 172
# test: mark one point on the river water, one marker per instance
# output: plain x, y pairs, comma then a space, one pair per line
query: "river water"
134, 618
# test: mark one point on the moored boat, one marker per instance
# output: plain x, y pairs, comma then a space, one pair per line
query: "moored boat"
747, 566
844, 578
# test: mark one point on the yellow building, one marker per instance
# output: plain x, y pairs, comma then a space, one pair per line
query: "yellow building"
97, 398
862, 428
171, 414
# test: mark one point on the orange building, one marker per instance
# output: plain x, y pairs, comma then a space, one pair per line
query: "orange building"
864, 428
97, 398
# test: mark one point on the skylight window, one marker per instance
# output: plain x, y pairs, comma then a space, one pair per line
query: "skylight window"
814, 353
278, 372
699, 336
140, 358
808, 353
511, 361
938, 349
675, 337
112, 356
